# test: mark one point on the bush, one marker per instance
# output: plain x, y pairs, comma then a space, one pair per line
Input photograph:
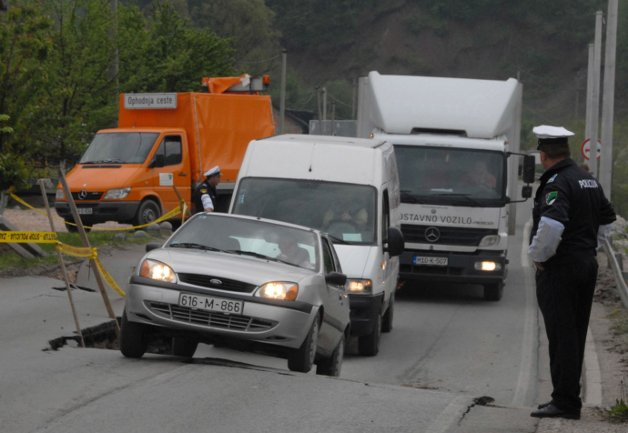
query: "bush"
13, 171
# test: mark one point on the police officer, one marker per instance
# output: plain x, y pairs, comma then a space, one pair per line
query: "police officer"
570, 211
205, 196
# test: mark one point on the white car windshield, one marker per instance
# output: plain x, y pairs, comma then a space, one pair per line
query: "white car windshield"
215, 232
346, 211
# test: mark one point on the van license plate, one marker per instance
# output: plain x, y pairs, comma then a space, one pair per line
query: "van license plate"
84, 210
430, 261
210, 303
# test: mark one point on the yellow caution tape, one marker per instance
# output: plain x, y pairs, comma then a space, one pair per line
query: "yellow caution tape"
28, 237
174, 212
91, 253
22, 202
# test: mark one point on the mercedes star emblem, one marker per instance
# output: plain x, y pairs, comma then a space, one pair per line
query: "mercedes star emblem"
432, 234
82, 195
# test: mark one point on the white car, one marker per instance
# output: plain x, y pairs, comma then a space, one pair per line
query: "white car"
258, 284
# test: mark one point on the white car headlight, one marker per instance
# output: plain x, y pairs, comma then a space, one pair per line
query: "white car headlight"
117, 194
355, 285
280, 290
59, 195
157, 271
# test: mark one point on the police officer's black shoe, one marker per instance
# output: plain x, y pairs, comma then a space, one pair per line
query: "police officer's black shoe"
542, 405
551, 411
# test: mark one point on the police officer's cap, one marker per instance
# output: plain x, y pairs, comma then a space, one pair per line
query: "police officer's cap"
212, 171
551, 136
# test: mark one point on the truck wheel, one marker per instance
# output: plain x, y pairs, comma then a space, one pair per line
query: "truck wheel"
331, 366
149, 211
368, 345
302, 359
133, 339
184, 346
387, 322
493, 291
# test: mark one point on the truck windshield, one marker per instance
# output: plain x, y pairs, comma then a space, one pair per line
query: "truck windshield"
346, 211
437, 175
119, 148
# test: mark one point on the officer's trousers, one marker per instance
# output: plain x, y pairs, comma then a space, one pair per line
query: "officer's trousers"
564, 291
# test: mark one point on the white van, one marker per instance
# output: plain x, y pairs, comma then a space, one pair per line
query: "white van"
348, 187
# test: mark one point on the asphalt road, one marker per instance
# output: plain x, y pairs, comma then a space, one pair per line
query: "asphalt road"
448, 353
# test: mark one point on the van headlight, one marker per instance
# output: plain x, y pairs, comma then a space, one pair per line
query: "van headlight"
117, 194
279, 290
156, 270
359, 285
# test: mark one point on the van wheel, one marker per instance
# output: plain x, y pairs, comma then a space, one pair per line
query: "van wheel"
302, 359
331, 366
387, 322
493, 291
368, 345
148, 212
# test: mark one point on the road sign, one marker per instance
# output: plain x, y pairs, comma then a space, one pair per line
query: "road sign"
586, 149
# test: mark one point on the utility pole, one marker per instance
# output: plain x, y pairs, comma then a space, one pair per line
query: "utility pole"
282, 91
593, 99
608, 101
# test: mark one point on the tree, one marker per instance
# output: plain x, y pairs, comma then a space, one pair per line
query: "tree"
24, 46
174, 55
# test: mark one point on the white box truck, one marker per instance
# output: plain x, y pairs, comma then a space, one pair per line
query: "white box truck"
348, 187
453, 139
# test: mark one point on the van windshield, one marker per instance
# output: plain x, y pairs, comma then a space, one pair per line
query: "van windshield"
345, 211
119, 148
437, 175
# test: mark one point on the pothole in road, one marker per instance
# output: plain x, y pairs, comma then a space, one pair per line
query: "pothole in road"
104, 336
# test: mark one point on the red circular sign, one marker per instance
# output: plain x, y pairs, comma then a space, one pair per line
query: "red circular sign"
586, 149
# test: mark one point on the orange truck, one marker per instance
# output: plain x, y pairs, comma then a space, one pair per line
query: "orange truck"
166, 140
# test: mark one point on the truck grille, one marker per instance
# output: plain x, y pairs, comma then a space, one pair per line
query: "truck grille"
86, 195
447, 235
216, 282
208, 318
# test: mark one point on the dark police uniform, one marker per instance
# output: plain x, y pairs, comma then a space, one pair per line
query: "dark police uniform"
565, 285
202, 189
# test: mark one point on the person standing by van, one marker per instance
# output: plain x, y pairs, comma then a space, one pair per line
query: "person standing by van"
205, 195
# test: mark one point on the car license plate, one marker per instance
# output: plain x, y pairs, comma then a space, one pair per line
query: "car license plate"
430, 261
210, 303
85, 210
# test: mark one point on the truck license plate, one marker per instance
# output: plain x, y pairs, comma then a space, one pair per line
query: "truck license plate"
85, 210
210, 303
429, 261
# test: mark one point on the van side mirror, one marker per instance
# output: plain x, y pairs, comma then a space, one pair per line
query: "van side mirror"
528, 169
158, 161
395, 243
336, 278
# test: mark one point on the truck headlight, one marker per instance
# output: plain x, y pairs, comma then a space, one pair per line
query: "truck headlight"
489, 241
356, 285
59, 195
157, 271
279, 290
487, 266
117, 194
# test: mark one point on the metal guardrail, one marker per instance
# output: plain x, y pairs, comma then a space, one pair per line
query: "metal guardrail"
617, 271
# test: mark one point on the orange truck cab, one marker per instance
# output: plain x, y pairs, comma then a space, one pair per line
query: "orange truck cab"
128, 174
